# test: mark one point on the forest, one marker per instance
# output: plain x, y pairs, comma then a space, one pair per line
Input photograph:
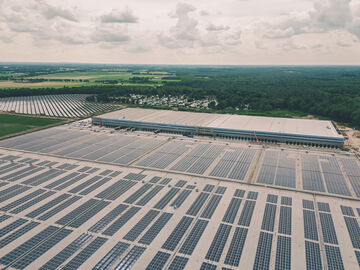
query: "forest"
331, 92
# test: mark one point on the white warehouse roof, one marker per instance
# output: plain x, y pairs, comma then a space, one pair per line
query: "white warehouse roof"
294, 126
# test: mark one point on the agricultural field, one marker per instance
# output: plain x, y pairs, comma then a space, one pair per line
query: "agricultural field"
83, 78
68, 106
12, 124
12, 84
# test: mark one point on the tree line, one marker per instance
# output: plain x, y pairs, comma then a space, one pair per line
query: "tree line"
331, 92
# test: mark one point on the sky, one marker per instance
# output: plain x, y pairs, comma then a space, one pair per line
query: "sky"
206, 32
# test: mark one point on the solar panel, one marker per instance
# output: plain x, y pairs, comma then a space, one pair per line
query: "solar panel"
333, 257
324, 207
239, 193
4, 217
207, 266
12, 226
14, 193
181, 198
308, 204
165, 181
347, 211
112, 256
77, 211
103, 222
354, 231
141, 225
135, 176
62, 180
116, 190
312, 180
263, 251
59, 208
285, 220
159, 261
328, 228
155, 179
67, 252
81, 219
85, 184
283, 253
21, 174
180, 183
32, 202
313, 257
27, 245
271, 198
154, 230
310, 228
194, 236
167, 198
252, 195
9, 190
3, 184
121, 221
105, 172
246, 214
211, 206
151, 194
208, 188
197, 204
236, 247
85, 254
48, 205
22, 200
269, 217
137, 194
95, 186
178, 263
17, 234
266, 175
218, 243
130, 259
357, 254
285, 177
176, 235
41, 249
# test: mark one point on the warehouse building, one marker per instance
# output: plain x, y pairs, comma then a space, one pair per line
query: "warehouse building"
239, 127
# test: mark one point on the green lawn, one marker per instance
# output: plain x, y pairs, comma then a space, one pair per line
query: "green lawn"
11, 124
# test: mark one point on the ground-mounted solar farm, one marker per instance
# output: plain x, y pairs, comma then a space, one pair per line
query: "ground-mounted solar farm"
68, 106
79, 196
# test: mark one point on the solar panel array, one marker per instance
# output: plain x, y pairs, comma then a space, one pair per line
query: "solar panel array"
322, 173
278, 168
84, 145
57, 213
197, 159
73, 105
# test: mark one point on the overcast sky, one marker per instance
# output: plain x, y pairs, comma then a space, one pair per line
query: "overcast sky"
235, 32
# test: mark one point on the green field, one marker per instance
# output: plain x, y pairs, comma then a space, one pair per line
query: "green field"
75, 79
12, 124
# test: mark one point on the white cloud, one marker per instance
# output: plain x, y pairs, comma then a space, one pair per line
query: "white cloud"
51, 12
110, 35
213, 27
117, 16
204, 13
289, 45
195, 32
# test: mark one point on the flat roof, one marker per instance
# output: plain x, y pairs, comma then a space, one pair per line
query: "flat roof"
309, 127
